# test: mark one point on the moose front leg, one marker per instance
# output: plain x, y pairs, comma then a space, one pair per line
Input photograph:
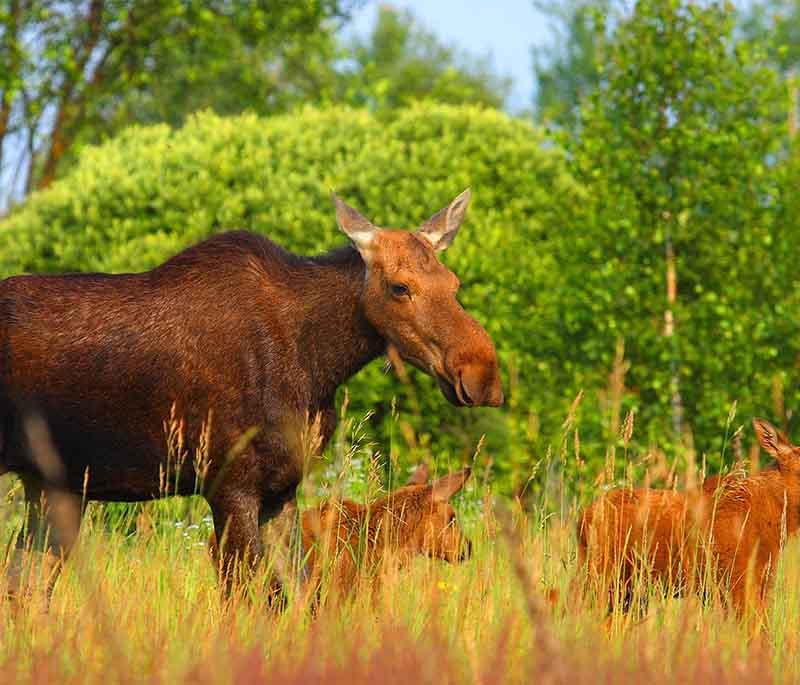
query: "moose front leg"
238, 546
240, 553
249, 492
281, 538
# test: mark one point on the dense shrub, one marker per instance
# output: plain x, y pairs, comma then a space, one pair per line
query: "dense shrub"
138, 199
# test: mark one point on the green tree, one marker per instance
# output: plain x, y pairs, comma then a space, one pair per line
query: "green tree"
102, 65
776, 24
400, 62
69, 71
568, 69
676, 151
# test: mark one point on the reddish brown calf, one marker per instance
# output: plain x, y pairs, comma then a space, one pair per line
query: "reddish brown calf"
730, 531
346, 541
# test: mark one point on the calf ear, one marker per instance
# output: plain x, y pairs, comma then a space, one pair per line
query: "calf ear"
356, 227
447, 486
440, 230
771, 439
420, 475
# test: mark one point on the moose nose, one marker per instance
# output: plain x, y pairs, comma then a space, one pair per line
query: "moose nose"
481, 386
495, 398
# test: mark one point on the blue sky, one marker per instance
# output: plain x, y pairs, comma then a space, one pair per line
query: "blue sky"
505, 30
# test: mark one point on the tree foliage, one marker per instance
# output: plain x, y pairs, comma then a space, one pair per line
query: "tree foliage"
775, 24
568, 69
68, 65
678, 151
73, 74
400, 62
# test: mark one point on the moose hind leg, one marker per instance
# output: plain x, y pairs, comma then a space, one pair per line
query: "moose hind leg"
51, 526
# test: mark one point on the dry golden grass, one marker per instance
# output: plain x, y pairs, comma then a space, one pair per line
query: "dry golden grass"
138, 601
134, 606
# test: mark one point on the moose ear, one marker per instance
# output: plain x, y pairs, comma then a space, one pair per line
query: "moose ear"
356, 227
771, 439
420, 475
447, 486
440, 230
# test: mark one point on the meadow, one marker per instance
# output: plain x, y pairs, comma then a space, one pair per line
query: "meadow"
139, 600
634, 238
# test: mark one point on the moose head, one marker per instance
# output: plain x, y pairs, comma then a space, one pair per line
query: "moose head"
410, 298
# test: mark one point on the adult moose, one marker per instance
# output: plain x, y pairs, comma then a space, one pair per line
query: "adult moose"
234, 331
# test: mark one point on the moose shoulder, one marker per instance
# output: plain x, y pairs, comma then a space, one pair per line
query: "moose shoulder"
233, 336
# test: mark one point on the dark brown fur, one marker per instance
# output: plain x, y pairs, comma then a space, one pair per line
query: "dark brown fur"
231, 335
730, 530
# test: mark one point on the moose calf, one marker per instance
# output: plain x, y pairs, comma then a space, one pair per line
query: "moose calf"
343, 539
729, 531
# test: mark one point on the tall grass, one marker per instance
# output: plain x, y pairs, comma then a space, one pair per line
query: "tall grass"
139, 599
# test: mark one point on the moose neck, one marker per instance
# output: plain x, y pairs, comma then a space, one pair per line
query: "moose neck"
335, 336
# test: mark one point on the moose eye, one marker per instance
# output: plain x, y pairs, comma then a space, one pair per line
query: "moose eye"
399, 289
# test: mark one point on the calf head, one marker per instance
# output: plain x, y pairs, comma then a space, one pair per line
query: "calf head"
429, 525
410, 298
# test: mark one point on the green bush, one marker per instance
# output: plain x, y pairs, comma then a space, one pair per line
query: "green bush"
133, 202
